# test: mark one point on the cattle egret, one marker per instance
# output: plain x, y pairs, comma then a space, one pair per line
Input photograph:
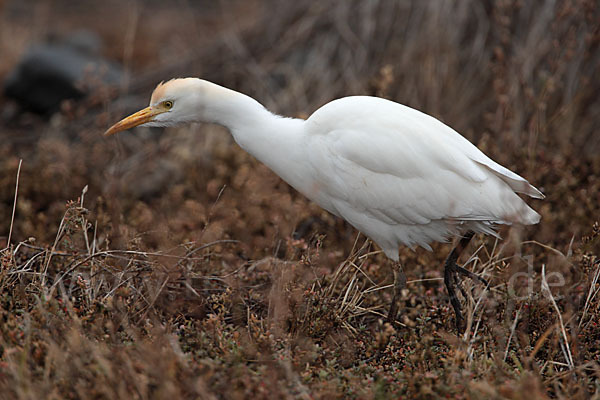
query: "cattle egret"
398, 175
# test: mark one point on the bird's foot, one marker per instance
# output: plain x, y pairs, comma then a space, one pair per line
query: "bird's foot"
399, 285
452, 281
465, 272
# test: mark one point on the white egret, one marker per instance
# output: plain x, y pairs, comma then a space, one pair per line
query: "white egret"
398, 175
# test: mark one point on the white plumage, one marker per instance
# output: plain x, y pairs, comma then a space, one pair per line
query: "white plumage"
396, 174
403, 177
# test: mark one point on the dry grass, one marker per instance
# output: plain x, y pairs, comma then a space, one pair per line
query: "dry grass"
185, 269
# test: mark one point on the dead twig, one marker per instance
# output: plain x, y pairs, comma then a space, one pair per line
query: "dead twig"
565, 346
12, 218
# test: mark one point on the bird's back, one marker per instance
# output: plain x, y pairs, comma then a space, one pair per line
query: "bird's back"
403, 177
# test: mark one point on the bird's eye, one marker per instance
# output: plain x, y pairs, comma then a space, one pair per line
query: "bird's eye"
168, 104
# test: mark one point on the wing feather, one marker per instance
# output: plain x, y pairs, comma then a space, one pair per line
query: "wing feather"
405, 167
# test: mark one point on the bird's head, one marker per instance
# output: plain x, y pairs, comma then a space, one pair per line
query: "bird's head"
173, 102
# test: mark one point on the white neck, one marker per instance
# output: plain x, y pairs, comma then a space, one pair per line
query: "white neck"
272, 139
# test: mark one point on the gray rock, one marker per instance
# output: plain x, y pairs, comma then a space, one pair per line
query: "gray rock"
67, 69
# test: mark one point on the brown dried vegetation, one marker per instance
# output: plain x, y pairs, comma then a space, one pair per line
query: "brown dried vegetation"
186, 269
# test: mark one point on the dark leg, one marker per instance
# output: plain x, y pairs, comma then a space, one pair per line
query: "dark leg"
399, 284
451, 273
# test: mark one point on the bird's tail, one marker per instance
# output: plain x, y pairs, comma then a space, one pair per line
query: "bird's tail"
529, 216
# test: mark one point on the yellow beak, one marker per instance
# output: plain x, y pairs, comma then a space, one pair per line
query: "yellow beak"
139, 118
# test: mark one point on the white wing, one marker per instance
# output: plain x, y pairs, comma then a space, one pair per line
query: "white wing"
401, 176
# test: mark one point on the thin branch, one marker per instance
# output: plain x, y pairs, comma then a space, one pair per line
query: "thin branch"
12, 218
512, 331
591, 295
566, 348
